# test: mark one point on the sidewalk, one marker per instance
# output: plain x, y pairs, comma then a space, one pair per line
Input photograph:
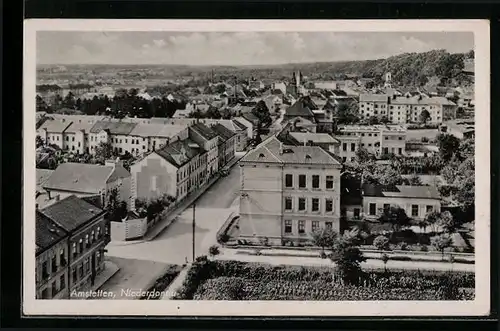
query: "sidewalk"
176, 284
230, 254
110, 269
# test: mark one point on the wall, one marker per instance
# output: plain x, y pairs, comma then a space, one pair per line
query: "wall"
129, 229
405, 203
54, 279
142, 183
260, 202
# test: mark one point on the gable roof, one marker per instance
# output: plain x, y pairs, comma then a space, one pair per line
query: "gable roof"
81, 177
204, 131
156, 130
373, 97
318, 138
71, 212
180, 152
41, 177
250, 117
401, 191
122, 128
47, 233
299, 108
272, 150
421, 100
222, 131
55, 126
240, 125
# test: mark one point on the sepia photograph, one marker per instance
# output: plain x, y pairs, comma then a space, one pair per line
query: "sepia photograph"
183, 167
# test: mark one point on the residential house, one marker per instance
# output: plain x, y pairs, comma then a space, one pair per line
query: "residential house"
151, 136
114, 133
250, 127
376, 139
373, 105
227, 139
287, 192
52, 132
208, 140
71, 237
462, 129
84, 180
417, 201
174, 170
408, 109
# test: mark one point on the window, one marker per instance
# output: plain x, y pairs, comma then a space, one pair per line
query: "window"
80, 246
386, 206
429, 209
414, 210
87, 264
315, 204
373, 208
289, 180
53, 289
356, 212
79, 145
98, 232
87, 243
53, 263
302, 204
67, 138
62, 282
386, 138
45, 270
344, 159
73, 274
400, 151
302, 181
73, 250
314, 225
288, 203
328, 225
302, 227
400, 138
288, 226
353, 147
72, 138
329, 205
315, 181
62, 258
344, 147
80, 267
329, 182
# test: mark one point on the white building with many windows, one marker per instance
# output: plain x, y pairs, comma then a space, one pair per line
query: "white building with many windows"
287, 192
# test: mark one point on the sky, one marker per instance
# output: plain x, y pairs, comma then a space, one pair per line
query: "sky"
238, 48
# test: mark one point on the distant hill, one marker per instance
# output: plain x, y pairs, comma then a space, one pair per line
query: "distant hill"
406, 69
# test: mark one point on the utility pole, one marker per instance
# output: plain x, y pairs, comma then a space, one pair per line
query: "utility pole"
194, 227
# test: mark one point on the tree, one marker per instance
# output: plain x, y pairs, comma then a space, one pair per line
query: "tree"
362, 155
385, 120
381, 242
262, 112
103, 152
441, 242
324, 237
39, 141
424, 116
213, 250
415, 180
347, 258
117, 210
431, 219
396, 217
447, 222
448, 145
373, 120
69, 101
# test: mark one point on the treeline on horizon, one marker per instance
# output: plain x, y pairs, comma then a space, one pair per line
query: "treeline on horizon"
408, 69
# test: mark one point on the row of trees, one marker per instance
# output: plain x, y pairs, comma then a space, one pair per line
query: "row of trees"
124, 103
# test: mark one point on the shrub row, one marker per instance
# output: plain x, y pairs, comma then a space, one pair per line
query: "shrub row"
162, 283
238, 288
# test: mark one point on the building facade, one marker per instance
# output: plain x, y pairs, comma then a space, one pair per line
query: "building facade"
75, 260
287, 192
377, 139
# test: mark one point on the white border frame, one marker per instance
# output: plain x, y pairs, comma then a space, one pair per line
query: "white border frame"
479, 307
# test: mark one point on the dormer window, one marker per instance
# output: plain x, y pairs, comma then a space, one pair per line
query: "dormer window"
261, 155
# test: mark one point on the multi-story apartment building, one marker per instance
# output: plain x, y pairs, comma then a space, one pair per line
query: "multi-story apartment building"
406, 109
52, 132
377, 139
373, 105
175, 170
227, 140
71, 237
287, 192
417, 201
208, 140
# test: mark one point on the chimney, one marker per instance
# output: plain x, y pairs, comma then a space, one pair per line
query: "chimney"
281, 148
305, 141
57, 197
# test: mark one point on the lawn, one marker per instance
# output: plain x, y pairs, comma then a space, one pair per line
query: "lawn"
235, 280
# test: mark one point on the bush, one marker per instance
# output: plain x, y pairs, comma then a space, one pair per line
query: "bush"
424, 248
403, 246
214, 250
323, 255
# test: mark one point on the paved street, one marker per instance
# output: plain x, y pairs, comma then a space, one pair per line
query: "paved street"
174, 244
